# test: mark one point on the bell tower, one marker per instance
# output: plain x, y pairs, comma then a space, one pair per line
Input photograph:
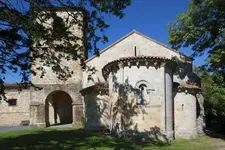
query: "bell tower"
57, 65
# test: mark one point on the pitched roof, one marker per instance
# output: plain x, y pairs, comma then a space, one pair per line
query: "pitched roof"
188, 86
97, 87
127, 35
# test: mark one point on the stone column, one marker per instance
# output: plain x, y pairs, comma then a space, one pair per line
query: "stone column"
49, 111
121, 66
37, 114
169, 102
200, 119
163, 104
78, 115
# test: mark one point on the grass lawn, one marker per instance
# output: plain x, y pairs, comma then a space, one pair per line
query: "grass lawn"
73, 139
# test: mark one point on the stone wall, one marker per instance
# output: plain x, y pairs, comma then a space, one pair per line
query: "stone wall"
134, 75
97, 111
13, 115
50, 77
124, 83
125, 48
185, 114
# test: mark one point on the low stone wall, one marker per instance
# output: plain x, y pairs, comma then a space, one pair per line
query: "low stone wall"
13, 115
13, 118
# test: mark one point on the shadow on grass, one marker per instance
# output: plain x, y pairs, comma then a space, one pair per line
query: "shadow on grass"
67, 140
215, 134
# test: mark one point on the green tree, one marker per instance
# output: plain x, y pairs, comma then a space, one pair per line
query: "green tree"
214, 95
202, 27
19, 31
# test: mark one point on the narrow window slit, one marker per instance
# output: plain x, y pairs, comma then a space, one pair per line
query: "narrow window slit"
135, 51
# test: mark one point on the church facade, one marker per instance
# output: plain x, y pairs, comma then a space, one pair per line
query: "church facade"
136, 83
142, 84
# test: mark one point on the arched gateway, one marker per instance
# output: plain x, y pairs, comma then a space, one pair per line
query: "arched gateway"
56, 104
58, 108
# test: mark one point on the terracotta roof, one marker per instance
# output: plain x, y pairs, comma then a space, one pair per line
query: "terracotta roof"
64, 9
134, 31
133, 59
16, 85
97, 87
188, 86
143, 57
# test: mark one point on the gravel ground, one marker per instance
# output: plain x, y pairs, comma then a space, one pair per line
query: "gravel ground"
61, 126
13, 128
16, 128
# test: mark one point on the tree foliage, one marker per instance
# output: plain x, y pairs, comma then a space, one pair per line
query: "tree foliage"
23, 24
202, 27
214, 95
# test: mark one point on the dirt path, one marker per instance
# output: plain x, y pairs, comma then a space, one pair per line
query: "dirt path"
218, 142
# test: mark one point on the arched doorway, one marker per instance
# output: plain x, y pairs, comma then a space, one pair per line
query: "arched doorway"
58, 108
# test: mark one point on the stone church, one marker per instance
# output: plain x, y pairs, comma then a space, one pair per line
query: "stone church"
136, 83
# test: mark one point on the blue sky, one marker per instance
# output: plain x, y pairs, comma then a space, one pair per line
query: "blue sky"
150, 17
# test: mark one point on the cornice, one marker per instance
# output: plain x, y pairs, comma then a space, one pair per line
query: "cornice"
156, 61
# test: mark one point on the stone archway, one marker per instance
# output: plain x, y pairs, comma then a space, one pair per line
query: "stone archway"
58, 108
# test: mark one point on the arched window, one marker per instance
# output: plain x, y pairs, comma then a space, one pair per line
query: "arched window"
144, 89
143, 94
